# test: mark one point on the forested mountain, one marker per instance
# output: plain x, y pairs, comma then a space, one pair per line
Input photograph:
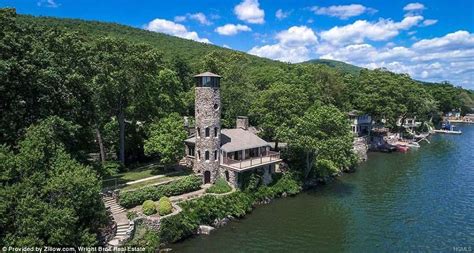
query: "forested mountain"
344, 67
170, 46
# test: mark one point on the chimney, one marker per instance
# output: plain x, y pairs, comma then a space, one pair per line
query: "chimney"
242, 122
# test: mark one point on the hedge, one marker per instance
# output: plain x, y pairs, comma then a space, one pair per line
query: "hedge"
164, 206
206, 209
134, 198
149, 207
220, 186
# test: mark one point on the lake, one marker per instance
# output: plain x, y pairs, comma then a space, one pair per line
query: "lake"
422, 200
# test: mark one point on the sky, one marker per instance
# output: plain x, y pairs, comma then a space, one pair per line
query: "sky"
431, 40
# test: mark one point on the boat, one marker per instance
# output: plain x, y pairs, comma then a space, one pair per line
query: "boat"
413, 144
402, 148
447, 128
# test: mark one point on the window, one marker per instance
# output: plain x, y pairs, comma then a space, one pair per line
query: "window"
198, 132
216, 106
215, 131
207, 131
215, 155
207, 155
199, 155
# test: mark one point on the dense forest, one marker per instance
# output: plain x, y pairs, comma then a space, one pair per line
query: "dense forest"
70, 88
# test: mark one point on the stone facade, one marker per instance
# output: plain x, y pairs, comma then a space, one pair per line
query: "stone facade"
208, 116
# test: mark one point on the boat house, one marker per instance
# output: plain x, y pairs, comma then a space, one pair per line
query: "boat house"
226, 153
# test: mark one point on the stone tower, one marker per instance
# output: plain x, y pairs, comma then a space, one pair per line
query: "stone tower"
208, 126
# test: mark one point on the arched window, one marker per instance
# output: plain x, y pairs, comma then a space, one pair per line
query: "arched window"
207, 155
215, 155
207, 132
215, 131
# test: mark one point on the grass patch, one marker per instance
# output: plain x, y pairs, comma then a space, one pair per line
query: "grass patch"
171, 176
149, 170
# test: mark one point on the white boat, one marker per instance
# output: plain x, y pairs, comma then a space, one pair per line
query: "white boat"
413, 144
448, 131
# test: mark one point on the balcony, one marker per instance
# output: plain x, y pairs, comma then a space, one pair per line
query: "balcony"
268, 157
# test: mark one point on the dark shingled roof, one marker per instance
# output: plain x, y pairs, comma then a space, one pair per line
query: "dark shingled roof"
207, 74
237, 139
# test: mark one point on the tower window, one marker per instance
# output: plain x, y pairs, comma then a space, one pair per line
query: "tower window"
199, 155
215, 155
207, 155
199, 132
216, 106
215, 131
207, 132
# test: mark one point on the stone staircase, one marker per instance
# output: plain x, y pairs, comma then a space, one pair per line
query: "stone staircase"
120, 218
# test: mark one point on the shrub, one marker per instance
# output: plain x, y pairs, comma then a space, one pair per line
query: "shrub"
130, 199
220, 186
145, 237
132, 215
204, 210
149, 207
164, 206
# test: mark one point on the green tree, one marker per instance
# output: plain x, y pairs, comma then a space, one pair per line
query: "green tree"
322, 133
125, 82
166, 138
276, 109
47, 197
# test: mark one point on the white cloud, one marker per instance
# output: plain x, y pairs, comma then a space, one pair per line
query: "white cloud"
459, 40
282, 53
297, 36
48, 3
250, 12
450, 57
429, 22
361, 30
171, 28
414, 7
342, 11
293, 45
231, 29
180, 18
199, 16
280, 14
226, 46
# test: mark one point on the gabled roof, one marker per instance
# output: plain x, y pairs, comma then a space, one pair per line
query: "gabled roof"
207, 74
237, 139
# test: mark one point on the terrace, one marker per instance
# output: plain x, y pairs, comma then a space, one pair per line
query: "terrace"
266, 157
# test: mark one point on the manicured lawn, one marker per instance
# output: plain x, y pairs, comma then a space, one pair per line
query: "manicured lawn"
169, 176
136, 172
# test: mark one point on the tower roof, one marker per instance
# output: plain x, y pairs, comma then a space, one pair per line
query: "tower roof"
207, 74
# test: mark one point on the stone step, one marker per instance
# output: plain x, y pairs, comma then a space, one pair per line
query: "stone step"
123, 226
117, 209
124, 233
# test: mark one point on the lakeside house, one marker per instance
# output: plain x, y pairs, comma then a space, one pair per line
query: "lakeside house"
409, 122
224, 153
361, 124
468, 117
453, 115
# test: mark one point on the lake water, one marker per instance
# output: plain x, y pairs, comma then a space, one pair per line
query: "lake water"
420, 201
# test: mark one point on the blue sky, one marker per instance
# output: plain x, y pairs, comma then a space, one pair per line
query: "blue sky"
431, 40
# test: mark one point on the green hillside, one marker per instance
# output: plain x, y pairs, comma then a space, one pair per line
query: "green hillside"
344, 67
170, 46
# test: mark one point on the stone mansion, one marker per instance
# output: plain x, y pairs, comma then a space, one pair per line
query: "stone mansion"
226, 153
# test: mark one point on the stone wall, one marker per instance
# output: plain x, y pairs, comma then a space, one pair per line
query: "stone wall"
360, 148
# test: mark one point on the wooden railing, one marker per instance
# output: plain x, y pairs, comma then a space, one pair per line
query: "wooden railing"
265, 158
